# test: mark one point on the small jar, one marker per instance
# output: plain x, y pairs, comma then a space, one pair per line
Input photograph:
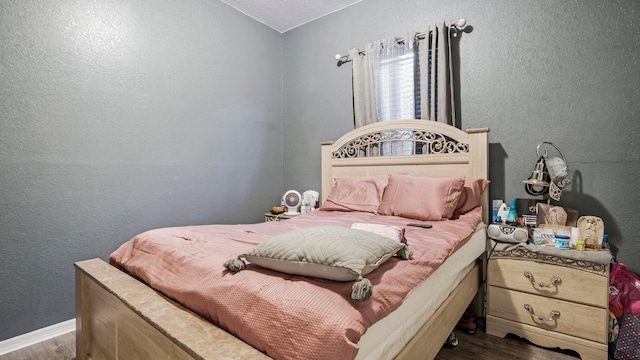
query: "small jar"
575, 237
562, 241
537, 236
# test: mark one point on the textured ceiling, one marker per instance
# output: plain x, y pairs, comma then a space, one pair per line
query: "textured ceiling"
284, 15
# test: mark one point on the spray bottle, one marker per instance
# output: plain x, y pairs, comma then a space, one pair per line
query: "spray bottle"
512, 218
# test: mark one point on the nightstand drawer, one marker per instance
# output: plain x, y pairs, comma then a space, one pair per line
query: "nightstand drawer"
579, 320
550, 280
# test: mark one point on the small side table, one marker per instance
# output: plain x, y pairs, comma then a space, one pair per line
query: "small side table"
279, 217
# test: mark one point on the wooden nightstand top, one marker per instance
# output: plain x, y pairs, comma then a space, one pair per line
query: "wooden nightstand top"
273, 217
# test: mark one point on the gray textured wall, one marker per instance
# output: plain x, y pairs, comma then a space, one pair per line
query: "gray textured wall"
118, 116
567, 72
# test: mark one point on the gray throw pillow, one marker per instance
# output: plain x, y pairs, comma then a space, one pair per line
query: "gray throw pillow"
326, 252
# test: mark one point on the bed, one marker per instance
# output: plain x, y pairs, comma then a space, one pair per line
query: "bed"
118, 316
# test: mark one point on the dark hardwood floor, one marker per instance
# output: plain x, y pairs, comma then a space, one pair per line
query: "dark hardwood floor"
479, 346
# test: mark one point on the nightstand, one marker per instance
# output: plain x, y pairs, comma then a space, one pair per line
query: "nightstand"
551, 301
273, 217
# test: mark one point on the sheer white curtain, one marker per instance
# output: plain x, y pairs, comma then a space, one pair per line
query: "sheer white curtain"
393, 71
395, 88
404, 79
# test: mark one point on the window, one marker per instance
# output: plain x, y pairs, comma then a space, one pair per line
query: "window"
397, 87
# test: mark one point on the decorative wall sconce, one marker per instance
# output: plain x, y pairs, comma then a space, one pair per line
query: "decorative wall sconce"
550, 174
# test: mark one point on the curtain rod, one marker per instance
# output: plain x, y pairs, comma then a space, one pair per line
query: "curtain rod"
459, 25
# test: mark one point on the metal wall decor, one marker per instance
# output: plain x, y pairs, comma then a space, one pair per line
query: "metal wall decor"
550, 174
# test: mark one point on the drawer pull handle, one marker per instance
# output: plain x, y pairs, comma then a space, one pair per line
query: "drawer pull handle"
555, 281
552, 315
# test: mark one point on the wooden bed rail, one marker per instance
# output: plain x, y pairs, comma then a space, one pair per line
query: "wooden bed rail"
118, 317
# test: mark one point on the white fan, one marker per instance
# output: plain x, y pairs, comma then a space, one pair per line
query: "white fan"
292, 199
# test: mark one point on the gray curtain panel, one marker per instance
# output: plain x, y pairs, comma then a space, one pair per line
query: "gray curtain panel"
436, 94
364, 101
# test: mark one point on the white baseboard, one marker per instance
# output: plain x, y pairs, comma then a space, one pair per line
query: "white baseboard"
36, 336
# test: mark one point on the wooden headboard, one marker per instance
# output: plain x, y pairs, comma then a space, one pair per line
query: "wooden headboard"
428, 148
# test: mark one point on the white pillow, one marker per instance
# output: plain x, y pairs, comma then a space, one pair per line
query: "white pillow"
326, 252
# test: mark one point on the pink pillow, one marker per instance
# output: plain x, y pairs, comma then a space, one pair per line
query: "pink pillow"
390, 231
355, 195
421, 197
471, 195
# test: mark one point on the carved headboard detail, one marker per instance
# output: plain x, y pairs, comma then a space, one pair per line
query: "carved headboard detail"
411, 141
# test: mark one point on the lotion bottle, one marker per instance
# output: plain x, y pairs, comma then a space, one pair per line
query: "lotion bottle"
512, 217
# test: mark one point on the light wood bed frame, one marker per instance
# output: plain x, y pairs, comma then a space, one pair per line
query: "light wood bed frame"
119, 317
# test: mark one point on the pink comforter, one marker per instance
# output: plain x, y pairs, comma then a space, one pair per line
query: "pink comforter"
285, 316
